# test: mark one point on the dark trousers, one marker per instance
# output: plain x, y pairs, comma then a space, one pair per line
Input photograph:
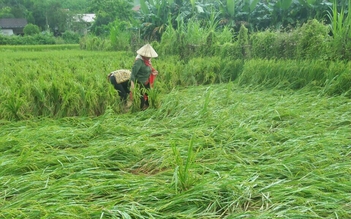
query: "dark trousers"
122, 88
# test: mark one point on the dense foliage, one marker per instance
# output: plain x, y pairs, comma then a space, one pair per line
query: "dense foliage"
154, 15
295, 29
242, 123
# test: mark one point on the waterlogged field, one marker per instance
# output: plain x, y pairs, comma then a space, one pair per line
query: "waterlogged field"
215, 151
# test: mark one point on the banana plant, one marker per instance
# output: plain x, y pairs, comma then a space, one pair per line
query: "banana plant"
284, 4
157, 13
235, 12
227, 11
154, 18
246, 7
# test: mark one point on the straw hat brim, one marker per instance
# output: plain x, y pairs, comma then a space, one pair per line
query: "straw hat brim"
147, 51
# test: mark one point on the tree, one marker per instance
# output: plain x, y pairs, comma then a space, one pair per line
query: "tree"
49, 15
57, 18
77, 6
108, 11
5, 12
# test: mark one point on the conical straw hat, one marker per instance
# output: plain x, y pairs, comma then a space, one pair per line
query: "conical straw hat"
147, 51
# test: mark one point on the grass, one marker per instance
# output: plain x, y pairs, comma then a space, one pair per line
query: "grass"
217, 151
21, 48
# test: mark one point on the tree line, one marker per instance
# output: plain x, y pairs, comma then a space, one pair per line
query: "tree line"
55, 15
155, 15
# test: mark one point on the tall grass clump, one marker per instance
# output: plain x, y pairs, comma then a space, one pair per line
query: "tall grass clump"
194, 39
183, 177
338, 79
340, 26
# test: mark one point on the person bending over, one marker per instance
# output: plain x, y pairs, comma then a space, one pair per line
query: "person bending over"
120, 81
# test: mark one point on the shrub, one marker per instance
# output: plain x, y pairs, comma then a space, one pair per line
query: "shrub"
70, 37
262, 44
313, 40
120, 35
94, 43
243, 40
31, 29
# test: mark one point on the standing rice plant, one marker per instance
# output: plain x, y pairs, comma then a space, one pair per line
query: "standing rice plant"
136, 95
55, 98
12, 106
338, 80
183, 177
293, 74
204, 70
230, 69
207, 100
229, 50
153, 96
170, 73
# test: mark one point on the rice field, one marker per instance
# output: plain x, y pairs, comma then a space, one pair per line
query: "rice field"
214, 151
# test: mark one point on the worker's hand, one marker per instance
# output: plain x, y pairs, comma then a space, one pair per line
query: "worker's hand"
131, 86
154, 72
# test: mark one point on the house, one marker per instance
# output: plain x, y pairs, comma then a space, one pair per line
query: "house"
82, 22
87, 18
12, 26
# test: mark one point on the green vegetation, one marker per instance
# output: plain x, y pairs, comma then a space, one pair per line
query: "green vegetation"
59, 82
73, 82
17, 48
218, 151
223, 138
31, 29
242, 123
276, 29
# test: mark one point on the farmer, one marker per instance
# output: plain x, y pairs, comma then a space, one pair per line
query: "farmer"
143, 73
120, 81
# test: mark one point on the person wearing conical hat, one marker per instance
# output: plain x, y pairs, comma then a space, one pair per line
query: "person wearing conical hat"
143, 73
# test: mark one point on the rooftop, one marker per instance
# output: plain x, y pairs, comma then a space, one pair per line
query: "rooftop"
6, 23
